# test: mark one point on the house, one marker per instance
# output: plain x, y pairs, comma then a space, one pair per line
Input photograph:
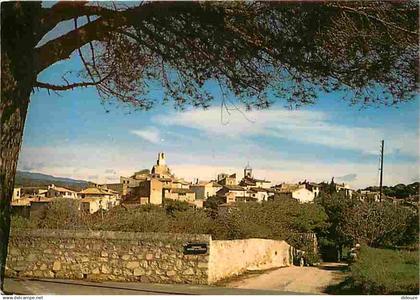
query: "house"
179, 194
34, 191
180, 184
224, 179
205, 190
367, 195
106, 197
344, 188
303, 195
116, 188
249, 181
151, 187
313, 187
92, 205
147, 192
232, 192
296, 191
17, 193
55, 191
259, 193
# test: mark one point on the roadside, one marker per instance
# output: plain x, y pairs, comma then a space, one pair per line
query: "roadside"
79, 287
307, 280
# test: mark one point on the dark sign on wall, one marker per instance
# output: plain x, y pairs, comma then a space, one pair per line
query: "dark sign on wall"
195, 248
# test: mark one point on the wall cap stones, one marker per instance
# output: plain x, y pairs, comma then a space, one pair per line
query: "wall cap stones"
112, 235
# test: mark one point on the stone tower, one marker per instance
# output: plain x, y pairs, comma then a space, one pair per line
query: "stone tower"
161, 159
248, 171
161, 170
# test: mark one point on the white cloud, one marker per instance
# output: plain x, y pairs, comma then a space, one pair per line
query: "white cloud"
304, 126
150, 134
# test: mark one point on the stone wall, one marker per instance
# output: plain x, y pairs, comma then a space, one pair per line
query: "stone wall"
100, 256
132, 256
229, 258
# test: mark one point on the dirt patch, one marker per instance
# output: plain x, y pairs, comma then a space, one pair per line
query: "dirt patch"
308, 280
243, 276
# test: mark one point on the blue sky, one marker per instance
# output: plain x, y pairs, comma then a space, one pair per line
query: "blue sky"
73, 134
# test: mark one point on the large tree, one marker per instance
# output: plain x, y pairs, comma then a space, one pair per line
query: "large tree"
260, 51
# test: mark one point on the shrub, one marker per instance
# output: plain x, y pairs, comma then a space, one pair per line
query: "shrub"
21, 223
381, 224
62, 213
172, 206
142, 219
190, 221
383, 271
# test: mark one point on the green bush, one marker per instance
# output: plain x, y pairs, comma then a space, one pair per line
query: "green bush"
173, 206
145, 218
270, 220
21, 223
62, 213
383, 271
190, 221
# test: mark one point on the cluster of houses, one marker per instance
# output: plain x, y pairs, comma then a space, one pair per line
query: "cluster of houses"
32, 200
159, 184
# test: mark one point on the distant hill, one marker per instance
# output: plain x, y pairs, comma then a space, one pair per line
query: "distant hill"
29, 179
399, 191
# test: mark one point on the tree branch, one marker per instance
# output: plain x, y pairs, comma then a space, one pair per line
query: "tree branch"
62, 47
369, 16
64, 87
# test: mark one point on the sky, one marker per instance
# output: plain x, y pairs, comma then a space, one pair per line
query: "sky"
73, 134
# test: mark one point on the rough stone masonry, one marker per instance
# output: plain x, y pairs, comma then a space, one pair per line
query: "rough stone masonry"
101, 256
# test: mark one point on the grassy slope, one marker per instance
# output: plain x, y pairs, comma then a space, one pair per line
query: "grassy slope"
382, 271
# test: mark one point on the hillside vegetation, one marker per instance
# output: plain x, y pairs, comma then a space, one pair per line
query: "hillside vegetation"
383, 271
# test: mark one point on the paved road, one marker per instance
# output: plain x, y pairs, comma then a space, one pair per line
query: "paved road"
307, 280
78, 287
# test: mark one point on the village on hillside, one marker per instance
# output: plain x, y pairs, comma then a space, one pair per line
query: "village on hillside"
159, 184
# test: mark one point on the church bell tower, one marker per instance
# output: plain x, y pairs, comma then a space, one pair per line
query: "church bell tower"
248, 171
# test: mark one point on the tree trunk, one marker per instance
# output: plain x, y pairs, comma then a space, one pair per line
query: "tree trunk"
17, 80
13, 113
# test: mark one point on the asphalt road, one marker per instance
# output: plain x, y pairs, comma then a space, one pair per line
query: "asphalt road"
79, 287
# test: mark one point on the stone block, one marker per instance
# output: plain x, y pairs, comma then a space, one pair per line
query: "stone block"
31, 257
56, 266
125, 257
14, 251
117, 271
171, 273
104, 254
149, 256
38, 273
27, 274
84, 259
189, 271
105, 269
132, 264
43, 267
127, 272
203, 265
139, 272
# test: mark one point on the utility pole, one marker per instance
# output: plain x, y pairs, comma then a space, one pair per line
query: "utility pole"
382, 171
